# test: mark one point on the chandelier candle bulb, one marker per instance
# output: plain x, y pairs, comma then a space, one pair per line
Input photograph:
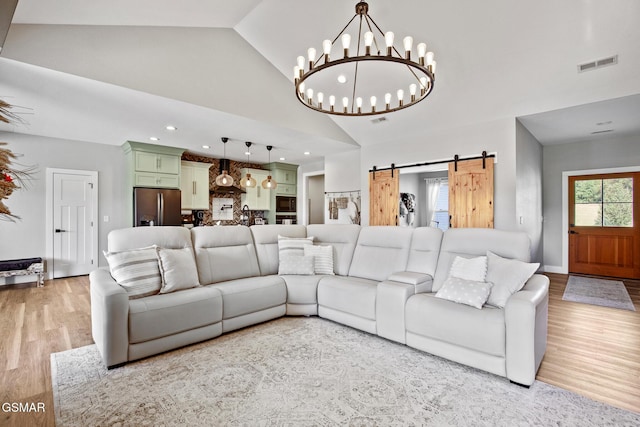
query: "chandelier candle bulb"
400, 97
320, 97
346, 41
408, 44
387, 100
422, 51
429, 58
310, 95
296, 73
423, 85
368, 40
332, 103
432, 67
373, 100
345, 103
301, 62
412, 90
388, 39
311, 53
359, 104
326, 48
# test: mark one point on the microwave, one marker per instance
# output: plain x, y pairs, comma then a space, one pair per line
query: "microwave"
285, 204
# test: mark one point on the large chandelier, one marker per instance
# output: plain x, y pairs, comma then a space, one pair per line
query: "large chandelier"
365, 80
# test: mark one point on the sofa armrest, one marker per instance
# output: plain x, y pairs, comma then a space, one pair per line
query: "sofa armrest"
526, 315
420, 281
109, 317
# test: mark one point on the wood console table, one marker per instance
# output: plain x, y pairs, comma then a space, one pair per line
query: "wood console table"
23, 267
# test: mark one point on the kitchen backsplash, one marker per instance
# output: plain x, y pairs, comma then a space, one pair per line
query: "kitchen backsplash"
214, 199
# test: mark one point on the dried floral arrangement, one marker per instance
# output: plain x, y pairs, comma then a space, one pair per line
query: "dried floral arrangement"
11, 177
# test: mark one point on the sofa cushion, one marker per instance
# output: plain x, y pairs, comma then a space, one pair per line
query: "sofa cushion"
508, 276
474, 269
136, 271
424, 250
171, 237
457, 324
162, 315
244, 296
296, 264
224, 253
343, 239
302, 289
381, 251
474, 242
322, 258
178, 269
351, 295
265, 238
463, 291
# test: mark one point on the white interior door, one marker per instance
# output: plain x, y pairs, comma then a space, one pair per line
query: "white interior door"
74, 222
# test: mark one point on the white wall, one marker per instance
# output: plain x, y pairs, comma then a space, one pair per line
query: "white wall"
613, 152
26, 238
342, 172
494, 137
529, 189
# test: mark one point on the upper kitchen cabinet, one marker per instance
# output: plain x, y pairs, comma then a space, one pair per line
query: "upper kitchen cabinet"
194, 183
286, 175
153, 165
257, 198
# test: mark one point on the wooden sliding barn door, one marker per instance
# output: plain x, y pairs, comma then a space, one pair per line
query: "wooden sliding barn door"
384, 197
471, 193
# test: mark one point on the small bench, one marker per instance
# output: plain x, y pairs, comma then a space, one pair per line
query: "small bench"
23, 267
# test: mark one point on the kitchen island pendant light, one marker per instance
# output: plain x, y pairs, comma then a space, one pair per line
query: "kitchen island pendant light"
269, 183
248, 181
224, 179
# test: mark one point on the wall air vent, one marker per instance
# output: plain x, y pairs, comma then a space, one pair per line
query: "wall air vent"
588, 66
379, 120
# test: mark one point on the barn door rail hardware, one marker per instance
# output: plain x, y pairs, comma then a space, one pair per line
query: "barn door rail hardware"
484, 156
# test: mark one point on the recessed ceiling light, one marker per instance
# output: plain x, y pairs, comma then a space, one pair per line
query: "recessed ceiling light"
153, 138
171, 128
306, 153
282, 159
342, 78
206, 147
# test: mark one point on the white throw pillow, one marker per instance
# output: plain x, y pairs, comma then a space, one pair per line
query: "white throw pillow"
296, 264
178, 269
288, 246
508, 277
464, 291
323, 258
469, 268
136, 271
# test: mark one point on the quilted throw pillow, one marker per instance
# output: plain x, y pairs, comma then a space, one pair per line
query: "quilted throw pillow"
178, 269
463, 291
136, 271
508, 277
474, 269
323, 258
296, 264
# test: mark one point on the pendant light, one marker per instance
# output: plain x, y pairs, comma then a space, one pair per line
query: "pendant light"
224, 179
269, 183
248, 181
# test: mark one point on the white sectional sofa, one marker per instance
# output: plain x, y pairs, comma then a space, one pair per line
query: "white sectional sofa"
384, 283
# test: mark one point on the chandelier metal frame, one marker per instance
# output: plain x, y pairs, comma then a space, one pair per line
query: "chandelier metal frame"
423, 70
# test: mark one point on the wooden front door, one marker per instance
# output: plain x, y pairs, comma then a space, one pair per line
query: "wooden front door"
604, 225
384, 197
471, 193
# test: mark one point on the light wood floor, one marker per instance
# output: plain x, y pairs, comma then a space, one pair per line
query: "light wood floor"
594, 351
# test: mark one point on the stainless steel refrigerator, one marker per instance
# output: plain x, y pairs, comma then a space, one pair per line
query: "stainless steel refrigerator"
156, 206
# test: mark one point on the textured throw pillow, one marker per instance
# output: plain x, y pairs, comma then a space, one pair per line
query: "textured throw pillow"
178, 269
463, 291
508, 277
469, 268
288, 246
296, 264
136, 271
322, 258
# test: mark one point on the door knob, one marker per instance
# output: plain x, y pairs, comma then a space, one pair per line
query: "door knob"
573, 232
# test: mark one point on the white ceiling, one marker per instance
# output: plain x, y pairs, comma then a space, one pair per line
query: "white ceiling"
496, 59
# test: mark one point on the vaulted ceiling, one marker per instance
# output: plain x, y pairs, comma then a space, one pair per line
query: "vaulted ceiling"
116, 71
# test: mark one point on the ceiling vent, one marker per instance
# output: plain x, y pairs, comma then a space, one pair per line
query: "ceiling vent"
588, 66
379, 120
601, 131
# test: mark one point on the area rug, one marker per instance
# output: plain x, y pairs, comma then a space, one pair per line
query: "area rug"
304, 372
590, 290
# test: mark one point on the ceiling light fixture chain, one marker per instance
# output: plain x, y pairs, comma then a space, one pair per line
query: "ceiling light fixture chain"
372, 76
